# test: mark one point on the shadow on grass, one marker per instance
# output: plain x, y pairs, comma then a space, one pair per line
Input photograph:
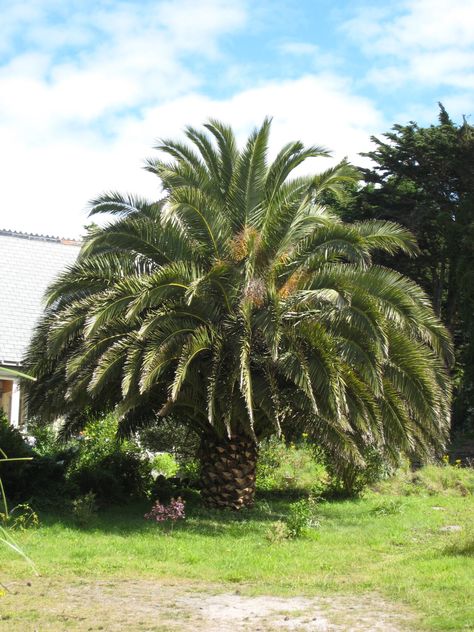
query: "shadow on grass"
129, 519
463, 548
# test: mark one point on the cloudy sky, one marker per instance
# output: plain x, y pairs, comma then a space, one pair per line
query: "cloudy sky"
87, 87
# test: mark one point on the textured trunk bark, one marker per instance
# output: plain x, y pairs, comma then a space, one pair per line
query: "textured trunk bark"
228, 472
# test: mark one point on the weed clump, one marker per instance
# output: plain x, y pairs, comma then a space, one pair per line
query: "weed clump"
84, 509
300, 518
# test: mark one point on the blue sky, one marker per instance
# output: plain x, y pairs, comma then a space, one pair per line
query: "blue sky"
87, 87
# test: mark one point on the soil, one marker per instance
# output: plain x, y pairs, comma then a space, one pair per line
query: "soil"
46, 605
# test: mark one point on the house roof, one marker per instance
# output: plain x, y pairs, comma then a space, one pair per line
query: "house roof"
28, 264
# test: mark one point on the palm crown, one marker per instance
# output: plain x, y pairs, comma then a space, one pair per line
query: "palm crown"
241, 304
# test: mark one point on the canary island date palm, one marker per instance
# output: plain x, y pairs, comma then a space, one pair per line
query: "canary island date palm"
240, 304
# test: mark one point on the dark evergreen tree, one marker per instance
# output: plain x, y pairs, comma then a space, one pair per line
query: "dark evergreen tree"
423, 178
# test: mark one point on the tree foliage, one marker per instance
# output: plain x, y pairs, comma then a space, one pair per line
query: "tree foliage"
423, 178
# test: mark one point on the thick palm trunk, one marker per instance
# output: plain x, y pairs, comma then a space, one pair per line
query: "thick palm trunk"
228, 472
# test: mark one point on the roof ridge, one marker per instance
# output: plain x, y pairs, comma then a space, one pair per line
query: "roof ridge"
67, 241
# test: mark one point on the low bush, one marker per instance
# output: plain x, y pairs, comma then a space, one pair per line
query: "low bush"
290, 467
164, 464
95, 461
167, 513
305, 467
112, 469
301, 516
388, 507
349, 480
14, 475
277, 532
20, 518
46, 485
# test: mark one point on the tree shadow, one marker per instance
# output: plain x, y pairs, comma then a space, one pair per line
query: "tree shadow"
129, 518
463, 548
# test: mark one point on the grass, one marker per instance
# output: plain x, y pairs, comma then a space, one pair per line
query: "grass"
393, 545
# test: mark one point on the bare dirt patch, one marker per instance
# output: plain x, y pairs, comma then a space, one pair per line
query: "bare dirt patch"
48, 605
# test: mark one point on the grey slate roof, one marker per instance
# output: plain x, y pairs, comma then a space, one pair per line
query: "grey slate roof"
28, 264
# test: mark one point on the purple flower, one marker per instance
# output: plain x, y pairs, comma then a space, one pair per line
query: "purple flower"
174, 511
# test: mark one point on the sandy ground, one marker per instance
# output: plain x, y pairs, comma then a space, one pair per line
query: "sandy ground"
48, 605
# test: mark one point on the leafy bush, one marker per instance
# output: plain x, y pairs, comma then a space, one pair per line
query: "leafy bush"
45, 440
350, 479
20, 518
277, 532
303, 466
189, 471
388, 507
301, 516
164, 464
43, 479
110, 468
113, 476
292, 467
45, 482
13, 445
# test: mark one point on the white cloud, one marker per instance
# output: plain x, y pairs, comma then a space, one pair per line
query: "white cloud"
70, 73
427, 41
83, 101
46, 188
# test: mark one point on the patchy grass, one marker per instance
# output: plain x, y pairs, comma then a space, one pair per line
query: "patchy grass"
381, 543
431, 480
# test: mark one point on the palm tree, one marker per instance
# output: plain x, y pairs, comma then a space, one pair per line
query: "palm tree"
240, 304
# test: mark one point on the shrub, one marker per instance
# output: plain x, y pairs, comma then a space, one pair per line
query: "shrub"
95, 461
13, 445
45, 482
449, 480
45, 439
164, 464
170, 434
172, 512
350, 480
110, 468
388, 507
20, 518
189, 471
301, 516
292, 467
113, 477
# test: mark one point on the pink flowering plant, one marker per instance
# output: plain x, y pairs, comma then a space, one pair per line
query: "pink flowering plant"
167, 513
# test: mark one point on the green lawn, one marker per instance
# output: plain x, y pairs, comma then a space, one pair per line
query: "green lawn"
390, 545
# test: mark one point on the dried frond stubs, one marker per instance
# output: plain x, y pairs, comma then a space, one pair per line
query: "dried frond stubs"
255, 292
245, 243
292, 284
